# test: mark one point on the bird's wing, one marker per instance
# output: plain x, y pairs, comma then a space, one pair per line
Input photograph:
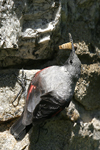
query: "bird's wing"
32, 99
49, 106
40, 107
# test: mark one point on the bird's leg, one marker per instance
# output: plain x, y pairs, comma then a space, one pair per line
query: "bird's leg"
22, 83
18, 96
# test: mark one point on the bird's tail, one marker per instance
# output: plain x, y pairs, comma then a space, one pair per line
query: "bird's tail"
18, 130
71, 40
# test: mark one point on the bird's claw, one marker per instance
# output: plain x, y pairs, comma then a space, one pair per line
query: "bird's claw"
22, 82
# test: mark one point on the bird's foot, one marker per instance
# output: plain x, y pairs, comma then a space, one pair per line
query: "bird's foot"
22, 82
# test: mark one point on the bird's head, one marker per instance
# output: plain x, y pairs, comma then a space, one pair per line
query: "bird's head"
73, 64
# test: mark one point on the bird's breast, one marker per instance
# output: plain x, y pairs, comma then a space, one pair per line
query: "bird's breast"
58, 81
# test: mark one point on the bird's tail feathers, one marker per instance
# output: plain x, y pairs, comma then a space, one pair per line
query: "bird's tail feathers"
18, 130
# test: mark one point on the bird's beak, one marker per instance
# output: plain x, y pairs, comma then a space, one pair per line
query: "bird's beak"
67, 46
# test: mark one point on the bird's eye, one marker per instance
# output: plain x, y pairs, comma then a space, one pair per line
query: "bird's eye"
71, 61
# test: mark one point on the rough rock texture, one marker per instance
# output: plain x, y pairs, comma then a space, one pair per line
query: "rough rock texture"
27, 29
30, 33
88, 87
9, 90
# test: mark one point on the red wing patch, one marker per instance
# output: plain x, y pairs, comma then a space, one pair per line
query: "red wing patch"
30, 90
37, 73
40, 71
33, 86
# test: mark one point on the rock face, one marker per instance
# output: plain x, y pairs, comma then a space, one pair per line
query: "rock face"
27, 29
87, 90
9, 90
30, 33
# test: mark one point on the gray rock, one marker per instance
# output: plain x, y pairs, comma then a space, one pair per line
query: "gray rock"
27, 29
87, 91
34, 30
9, 90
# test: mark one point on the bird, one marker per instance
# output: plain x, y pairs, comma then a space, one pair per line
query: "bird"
50, 91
